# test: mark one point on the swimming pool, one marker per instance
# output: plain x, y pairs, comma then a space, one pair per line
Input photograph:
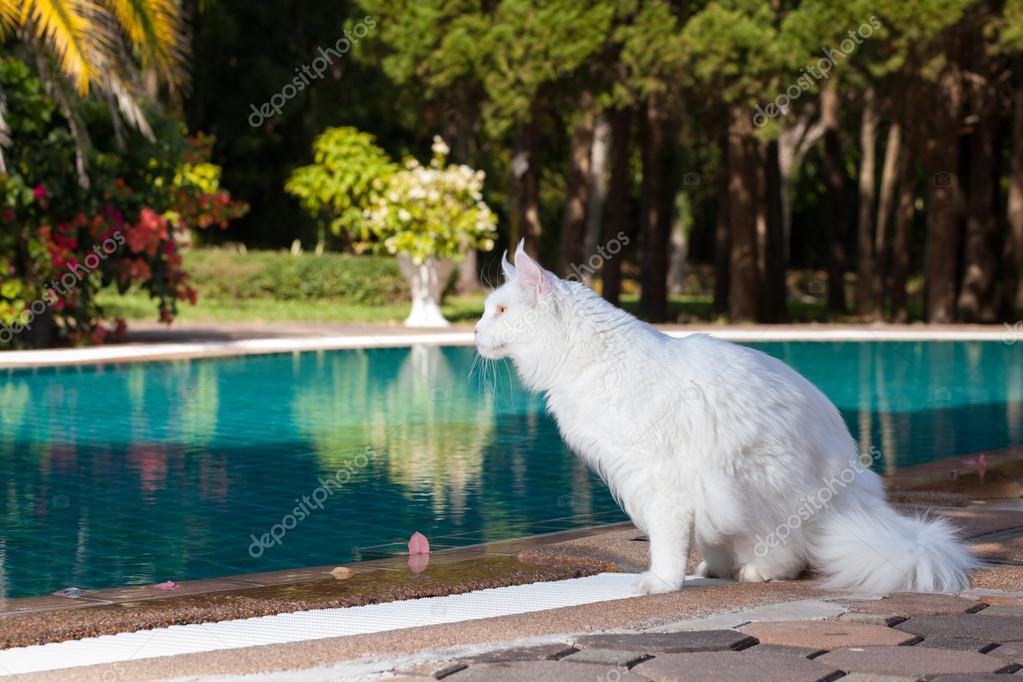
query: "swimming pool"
140, 473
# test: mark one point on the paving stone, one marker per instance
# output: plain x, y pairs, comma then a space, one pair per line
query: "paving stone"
449, 670
972, 678
716, 666
669, 642
613, 658
805, 609
998, 629
1002, 610
981, 646
827, 634
797, 651
540, 652
872, 618
1012, 652
911, 661
537, 671
867, 677
434, 669
910, 604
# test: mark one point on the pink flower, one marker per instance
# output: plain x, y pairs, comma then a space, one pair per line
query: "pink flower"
39, 192
8, 215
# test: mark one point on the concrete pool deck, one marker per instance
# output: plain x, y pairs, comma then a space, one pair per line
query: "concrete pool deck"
150, 341
784, 626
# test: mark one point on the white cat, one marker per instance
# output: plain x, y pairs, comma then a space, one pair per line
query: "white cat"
702, 439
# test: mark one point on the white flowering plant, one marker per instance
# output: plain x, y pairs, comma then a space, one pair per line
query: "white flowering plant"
430, 212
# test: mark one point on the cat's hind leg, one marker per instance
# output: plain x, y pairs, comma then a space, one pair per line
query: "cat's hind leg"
717, 560
670, 528
755, 565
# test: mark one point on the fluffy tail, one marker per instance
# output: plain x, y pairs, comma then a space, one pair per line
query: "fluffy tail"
875, 549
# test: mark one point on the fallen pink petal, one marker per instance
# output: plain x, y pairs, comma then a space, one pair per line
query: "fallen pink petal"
169, 585
418, 544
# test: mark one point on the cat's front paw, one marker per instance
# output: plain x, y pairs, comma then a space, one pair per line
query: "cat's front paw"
649, 583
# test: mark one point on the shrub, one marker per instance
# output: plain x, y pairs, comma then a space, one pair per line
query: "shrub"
62, 239
227, 274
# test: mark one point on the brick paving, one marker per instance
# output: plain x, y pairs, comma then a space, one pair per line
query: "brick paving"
942, 637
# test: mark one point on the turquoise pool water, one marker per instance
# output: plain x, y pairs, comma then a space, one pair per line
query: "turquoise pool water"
147, 472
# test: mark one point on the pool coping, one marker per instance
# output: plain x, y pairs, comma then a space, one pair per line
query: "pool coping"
130, 594
274, 339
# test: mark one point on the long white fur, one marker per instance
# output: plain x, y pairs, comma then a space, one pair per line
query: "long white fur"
704, 440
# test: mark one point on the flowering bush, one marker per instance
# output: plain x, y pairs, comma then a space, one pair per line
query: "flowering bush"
348, 171
61, 242
434, 211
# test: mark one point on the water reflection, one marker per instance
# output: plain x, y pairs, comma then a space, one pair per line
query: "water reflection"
148, 472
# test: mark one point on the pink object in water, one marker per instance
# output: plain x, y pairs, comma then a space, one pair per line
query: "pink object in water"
418, 544
169, 585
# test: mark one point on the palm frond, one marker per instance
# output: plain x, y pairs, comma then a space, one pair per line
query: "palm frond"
10, 11
156, 29
65, 26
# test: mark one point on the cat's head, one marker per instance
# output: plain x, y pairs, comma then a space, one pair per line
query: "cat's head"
521, 316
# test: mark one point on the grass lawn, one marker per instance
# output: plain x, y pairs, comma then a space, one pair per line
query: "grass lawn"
464, 309
137, 306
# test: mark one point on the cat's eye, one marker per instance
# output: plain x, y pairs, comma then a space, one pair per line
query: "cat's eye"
501, 309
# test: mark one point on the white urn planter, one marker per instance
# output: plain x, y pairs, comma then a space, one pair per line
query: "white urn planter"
427, 282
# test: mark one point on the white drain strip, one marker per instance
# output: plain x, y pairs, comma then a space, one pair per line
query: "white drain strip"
321, 623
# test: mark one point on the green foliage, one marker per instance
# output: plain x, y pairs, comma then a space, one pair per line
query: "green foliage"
225, 274
530, 45
348, 173
732, 50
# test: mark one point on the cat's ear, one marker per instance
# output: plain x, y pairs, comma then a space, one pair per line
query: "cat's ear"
507, 268
530, 275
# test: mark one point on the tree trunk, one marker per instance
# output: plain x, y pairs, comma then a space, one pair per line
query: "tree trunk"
525, 217
461, 121
903, 224
656, 213
773, 273
598, 188
1012, 253
943, 213
834, 178
679, 250
427, 282
744, 284
616, 215
977, 297
865, 222
722, 235
885, 208
577, 190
